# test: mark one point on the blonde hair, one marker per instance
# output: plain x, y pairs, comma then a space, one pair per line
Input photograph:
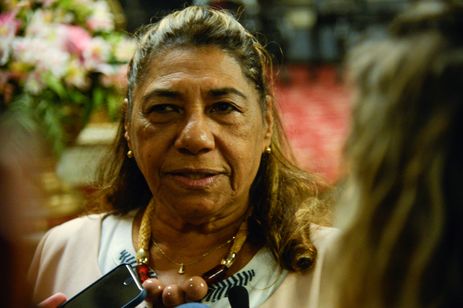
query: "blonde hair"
403, 245
284, 198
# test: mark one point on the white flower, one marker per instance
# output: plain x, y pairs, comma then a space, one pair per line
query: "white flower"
41, 54
27, 49
34, 83
76, 75
101, 18
96, 54
54, 60
39, 24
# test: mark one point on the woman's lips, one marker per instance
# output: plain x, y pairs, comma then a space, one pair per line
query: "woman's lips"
194, 179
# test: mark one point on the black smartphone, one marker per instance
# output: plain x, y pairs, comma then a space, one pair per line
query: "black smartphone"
118, 288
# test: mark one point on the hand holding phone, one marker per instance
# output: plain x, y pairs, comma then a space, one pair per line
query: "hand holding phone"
53, 301
118, 288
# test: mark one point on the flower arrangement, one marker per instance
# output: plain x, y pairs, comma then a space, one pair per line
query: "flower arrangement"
60, 61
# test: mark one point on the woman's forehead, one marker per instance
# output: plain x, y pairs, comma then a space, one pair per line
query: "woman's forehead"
208, 57
207, 66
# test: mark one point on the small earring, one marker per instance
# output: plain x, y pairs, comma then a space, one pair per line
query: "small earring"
268, 150
129, 154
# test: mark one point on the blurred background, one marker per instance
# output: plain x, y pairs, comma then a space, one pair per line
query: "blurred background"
62, 81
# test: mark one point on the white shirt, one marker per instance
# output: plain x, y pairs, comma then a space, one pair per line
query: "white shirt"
261, 276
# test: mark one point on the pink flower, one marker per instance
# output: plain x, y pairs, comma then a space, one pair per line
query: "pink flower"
77, 40
9, 26
8, 21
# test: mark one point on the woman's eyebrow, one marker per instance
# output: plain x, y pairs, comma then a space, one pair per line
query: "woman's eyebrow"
224, 91
166, 93
161, 93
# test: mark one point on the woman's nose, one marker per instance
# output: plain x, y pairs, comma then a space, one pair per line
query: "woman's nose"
195, 136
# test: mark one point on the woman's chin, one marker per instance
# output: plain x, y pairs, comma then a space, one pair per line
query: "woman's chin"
197, 213
197, 204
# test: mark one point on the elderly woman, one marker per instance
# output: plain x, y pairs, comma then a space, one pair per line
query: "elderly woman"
201, 191
405, 154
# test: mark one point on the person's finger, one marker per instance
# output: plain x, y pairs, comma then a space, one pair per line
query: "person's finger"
154, 289
53, 301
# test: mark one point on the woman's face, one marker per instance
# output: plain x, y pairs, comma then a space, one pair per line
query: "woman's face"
197, 132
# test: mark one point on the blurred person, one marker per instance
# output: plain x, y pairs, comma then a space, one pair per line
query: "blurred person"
201, 190
20, 154
401, 216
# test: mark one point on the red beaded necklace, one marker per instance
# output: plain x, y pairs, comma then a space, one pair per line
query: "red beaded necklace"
196, 287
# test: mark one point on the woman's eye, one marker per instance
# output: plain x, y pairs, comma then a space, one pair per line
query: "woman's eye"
163, 108
223, 107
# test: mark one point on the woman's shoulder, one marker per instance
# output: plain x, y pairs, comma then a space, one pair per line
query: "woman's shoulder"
85, 224
81, 221
77, 232
301, 289
73, 242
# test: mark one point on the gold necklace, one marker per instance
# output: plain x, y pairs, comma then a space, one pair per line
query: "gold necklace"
194, 288
182, 265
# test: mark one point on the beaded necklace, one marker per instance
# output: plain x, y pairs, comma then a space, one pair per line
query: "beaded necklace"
196, 287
